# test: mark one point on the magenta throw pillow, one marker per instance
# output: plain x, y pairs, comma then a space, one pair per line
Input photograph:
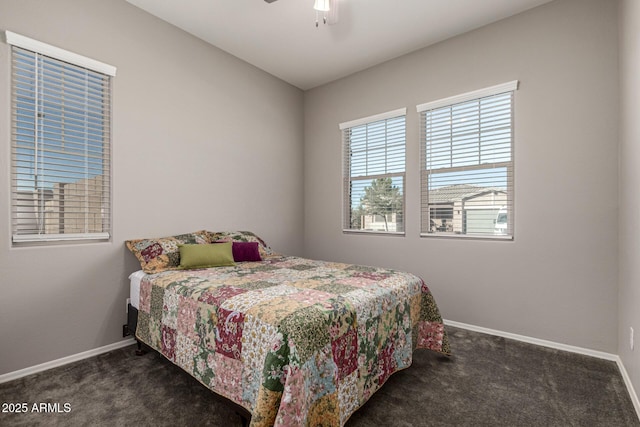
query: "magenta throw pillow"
245, 251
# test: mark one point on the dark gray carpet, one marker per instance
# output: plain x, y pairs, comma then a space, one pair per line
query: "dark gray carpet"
489, 381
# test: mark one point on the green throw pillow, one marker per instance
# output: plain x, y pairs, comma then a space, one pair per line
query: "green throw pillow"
205, 256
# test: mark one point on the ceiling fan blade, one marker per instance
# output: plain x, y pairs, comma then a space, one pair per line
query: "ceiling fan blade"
331, 17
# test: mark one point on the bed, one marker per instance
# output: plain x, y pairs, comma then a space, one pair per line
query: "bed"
294, 341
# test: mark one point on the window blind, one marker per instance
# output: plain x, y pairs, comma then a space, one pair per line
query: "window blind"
467, 167
61, 149
374, 173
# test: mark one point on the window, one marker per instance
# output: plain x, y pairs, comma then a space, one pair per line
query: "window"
374, 173
467, 164
60, 144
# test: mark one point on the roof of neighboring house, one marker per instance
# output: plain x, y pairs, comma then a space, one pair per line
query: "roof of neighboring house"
457, 192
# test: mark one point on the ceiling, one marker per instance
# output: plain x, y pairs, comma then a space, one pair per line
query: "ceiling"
281, 38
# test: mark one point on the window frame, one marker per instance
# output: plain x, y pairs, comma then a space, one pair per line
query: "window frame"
425, 207
66, 62
345, 129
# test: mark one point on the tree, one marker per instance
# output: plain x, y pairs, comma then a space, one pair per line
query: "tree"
381, 198
356, 217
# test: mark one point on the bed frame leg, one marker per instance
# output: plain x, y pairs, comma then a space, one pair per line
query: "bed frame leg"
243, 419
140, 351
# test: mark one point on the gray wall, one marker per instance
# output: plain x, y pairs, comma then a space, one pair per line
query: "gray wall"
629, 235
558, 279
200, 140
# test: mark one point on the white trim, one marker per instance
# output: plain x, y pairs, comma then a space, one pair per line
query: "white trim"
480, 93
64, 361
26, 238
375, 118
559, 346
58, 53
380, 232
630, 389
503, 237
536, 341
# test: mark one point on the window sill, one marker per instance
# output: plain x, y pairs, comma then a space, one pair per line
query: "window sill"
378, 233
466, 236
46, 239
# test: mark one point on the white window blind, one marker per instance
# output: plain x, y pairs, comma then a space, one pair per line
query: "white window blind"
61, 147
374, 173
467, 167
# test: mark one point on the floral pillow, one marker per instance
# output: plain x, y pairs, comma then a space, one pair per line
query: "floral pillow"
156, 255
240, 236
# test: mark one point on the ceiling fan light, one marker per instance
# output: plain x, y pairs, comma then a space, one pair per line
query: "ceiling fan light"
321, 5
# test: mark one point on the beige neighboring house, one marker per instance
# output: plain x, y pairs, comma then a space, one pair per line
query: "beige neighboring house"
31, 210
465, 209
75, 207
377, 222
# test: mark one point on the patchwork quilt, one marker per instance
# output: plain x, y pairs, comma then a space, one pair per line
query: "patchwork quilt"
294, 341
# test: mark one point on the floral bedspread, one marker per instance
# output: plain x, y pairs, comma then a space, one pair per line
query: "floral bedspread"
294, 341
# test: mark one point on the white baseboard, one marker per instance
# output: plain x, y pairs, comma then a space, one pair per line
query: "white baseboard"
64, 361
627, 382
559, 346
536, 341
